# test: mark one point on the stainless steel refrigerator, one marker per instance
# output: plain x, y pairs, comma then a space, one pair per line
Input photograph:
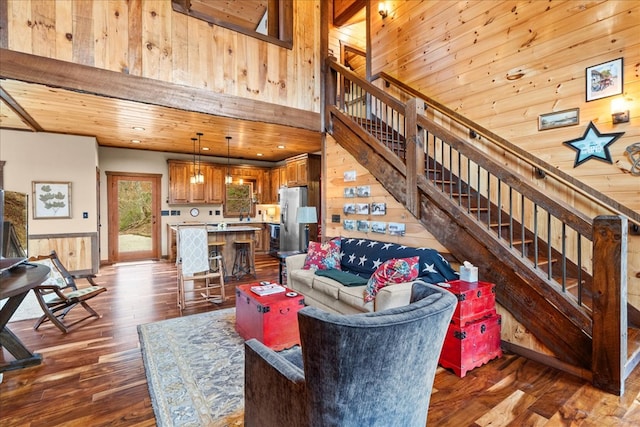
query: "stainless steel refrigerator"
292, 234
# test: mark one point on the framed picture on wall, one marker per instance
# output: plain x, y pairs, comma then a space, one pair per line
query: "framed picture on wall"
559, 119
378, 208
396, 229
378, 227
362, 208
349, 192
51, 199
362, 226
604, 80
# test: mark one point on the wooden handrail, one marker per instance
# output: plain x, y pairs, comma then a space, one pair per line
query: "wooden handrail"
580, 187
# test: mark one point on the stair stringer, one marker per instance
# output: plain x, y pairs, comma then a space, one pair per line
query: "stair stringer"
560, 326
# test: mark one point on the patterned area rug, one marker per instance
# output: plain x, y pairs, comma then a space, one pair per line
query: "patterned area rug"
195, 369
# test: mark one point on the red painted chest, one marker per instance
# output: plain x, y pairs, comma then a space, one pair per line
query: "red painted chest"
475, 300
473, 337
272, 319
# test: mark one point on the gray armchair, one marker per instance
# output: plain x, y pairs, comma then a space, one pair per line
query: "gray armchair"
370, 369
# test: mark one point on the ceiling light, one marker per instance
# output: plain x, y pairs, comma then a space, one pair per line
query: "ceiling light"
137, 128
259, 154
205, 148
281, 146
135, 141
228, 179
197, 177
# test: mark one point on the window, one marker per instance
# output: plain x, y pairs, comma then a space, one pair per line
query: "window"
271, 21
239, 200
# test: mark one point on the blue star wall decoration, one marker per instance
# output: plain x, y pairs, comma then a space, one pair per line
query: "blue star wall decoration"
593, 144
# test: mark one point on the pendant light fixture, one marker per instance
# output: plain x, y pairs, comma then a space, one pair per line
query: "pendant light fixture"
227, 179
193, 177
197, 177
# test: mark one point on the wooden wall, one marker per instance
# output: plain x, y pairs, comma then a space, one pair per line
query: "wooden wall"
146, 38
503, 63
337, 162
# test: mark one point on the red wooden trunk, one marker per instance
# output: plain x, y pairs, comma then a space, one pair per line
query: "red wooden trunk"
475, 300
471, 345
272, 319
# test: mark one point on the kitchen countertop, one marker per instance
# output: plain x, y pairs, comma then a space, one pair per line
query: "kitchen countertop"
231, 229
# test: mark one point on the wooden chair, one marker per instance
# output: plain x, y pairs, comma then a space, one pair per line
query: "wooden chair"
59, 294
193, 266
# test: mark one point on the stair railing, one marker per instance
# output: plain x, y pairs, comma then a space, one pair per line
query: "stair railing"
549, 236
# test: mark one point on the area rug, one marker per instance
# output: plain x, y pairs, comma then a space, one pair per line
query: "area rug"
195, 369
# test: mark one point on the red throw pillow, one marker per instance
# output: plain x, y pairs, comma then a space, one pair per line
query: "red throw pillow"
391, 272
323, 256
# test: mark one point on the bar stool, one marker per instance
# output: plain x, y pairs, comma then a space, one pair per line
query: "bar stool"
243, 262
216, 257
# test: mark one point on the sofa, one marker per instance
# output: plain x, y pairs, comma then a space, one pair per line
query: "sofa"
341, 287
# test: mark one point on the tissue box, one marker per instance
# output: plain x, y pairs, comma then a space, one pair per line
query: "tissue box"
469, 274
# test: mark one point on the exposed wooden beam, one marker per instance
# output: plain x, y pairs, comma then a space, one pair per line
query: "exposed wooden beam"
81, 78
20, 112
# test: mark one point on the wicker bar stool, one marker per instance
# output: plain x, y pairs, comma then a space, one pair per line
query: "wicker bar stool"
243, 261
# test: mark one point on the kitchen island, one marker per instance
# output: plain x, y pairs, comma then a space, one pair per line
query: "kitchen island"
228, 235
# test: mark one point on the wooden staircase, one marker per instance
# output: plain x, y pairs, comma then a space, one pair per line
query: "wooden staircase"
547, 259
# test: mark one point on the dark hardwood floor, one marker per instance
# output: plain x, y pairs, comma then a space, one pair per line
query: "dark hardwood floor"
94, 376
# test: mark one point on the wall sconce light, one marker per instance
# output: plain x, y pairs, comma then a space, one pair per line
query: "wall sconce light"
619, 111
382, 9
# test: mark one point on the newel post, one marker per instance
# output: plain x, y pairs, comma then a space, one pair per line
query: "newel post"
414, 156
609, 351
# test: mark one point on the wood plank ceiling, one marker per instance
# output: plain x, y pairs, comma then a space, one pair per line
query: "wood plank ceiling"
114, 123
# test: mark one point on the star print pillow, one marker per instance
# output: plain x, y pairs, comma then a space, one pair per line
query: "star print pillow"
391, 272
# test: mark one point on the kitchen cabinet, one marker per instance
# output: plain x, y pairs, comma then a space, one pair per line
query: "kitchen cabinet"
179, 184
182, 191
214, 177
277, 178
303, 169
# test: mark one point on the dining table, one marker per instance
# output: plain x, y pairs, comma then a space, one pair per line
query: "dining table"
15, 284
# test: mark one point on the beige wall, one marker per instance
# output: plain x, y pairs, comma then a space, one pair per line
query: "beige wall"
33, 156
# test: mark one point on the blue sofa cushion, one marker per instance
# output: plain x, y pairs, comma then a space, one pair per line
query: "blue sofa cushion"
364, 256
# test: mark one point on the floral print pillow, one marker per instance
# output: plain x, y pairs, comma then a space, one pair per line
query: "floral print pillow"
391, 272
323, 256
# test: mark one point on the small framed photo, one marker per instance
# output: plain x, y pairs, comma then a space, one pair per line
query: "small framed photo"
349, 192
378, 227
604, 80
349, 208
51, 199
378, 209
559, 119
349, 224
396, 229
362, 226
363, 191
362, 208
349, 176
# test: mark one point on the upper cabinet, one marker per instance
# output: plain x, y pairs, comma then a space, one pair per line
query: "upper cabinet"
182, 191
302, 169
